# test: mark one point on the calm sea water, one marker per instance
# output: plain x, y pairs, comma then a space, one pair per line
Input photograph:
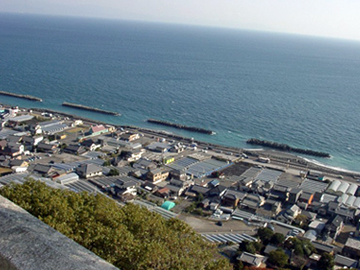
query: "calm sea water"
303, 91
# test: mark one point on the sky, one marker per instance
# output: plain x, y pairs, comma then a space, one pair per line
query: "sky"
329, 18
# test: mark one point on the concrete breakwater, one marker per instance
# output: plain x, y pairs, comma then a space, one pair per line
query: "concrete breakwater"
83, 107
179, 126
285, 147
28, 97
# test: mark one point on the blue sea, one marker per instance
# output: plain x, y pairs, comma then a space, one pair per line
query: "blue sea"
299, 90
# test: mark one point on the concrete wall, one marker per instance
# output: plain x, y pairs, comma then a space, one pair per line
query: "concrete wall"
26, 243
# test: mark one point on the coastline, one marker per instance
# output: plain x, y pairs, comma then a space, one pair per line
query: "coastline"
279, 156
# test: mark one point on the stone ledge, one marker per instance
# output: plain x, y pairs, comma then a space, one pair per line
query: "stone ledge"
26, 243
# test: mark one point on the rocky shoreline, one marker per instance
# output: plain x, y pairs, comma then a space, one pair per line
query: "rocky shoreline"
287, 148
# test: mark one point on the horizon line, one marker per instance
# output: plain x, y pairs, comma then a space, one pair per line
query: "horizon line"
181, 24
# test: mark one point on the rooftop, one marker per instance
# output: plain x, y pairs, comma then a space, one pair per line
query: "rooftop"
353, 243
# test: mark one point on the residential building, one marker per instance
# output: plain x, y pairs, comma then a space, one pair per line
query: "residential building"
90, 144
294, 195
97, 130
145, 164
334, 226
195, 190
47, 148
352, 248
252, 259
233, 197
129, 136
74, 149
306, 197
88, 170
345, 262
253, 202
157, 175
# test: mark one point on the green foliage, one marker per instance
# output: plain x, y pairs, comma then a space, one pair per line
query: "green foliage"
301, 247
107, 163
278, 257
302, 222
326, 262
298, 250
199, 198
265, 234
190, 208
247, 246
63, 146
239, 266
131, 237
51, 138
277, 239
258, 246
113, 172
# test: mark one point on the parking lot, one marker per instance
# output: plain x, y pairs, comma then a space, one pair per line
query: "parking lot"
203, 225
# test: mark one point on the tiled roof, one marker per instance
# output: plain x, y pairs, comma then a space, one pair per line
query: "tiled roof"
97, 128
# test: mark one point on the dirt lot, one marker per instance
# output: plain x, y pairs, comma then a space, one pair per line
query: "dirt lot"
236, 169
5, 171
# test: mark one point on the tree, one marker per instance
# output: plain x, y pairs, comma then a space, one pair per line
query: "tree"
277, 239
199, 197
107, 163
113, 172
298, 249
258, 246
278, 257
301, 219
265, 234
239, 266
301, 247
63, 146
130, 237
247, 246
326, 262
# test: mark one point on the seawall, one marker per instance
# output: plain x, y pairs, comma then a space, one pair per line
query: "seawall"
87, 108
28, 97
180, 126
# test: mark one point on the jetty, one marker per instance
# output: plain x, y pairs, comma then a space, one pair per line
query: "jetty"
287, 148
28, 97
83, 107
179, 126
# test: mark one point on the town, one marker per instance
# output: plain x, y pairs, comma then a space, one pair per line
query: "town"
253, 205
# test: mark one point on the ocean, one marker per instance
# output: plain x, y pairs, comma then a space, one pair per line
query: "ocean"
299, 90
